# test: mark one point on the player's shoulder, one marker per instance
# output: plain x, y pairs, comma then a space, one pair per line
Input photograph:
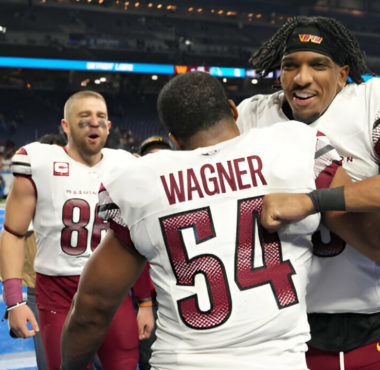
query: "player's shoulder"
149, 165
284, 128
372, 83
36, 150
34, 154
259, 100
39, 148
130, 184
280, 135
116, 152
115, 164
260, 110
117, 155
137, 171
369, 88
27, 148
372, 88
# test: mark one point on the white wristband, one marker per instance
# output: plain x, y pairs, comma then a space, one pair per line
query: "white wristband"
10, 308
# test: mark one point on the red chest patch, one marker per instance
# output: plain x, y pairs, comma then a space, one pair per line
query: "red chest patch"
61, 169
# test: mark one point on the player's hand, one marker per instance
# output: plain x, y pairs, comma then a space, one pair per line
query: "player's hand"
18, 320
145, 322
282, 209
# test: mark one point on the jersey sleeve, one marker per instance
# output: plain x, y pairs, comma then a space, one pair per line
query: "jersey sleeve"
372, 101
326, 162
109, 211
245, 119
21, 165
376, 136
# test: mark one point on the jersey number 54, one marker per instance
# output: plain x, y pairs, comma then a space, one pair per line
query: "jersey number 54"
274, 271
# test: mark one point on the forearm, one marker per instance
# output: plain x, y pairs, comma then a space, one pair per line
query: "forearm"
19, 211
90, 315
360, 196
97, 300
82, 334
363, 195
360, 230
11, 255
21, 320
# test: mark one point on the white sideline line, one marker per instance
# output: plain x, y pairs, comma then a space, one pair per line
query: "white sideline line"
17, 360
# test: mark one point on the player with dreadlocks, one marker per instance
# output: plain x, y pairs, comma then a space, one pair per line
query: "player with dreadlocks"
268, 57
316, 56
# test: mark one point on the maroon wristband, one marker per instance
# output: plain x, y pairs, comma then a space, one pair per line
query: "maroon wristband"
12, 291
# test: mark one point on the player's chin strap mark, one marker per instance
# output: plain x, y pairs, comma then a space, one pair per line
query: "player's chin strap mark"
331, 199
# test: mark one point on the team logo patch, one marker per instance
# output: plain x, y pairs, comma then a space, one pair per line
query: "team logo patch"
304, 37
61, 169
21, 151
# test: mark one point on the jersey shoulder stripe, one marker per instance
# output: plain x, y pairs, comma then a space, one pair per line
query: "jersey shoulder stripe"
325, 155
326, 161
109, 211
20, 164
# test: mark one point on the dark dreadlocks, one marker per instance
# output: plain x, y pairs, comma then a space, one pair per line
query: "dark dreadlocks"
268, 57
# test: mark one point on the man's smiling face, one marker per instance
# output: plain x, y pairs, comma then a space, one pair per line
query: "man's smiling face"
310, 82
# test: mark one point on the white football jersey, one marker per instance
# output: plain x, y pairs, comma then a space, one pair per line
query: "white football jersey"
343, 280
230, 295
65, 221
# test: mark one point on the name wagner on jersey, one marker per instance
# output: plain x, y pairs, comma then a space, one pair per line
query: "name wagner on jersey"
213, 178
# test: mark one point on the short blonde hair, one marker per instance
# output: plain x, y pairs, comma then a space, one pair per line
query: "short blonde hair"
79, 95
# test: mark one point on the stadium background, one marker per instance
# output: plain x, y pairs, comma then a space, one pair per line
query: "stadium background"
128, 50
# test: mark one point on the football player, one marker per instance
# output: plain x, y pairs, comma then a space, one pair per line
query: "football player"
57, 187
322, 85
230, 295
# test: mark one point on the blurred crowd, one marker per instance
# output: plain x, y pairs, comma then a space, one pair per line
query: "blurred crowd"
7, 150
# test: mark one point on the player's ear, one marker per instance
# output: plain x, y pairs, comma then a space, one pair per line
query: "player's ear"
65, 126
344, 71
233, 108
177, 142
